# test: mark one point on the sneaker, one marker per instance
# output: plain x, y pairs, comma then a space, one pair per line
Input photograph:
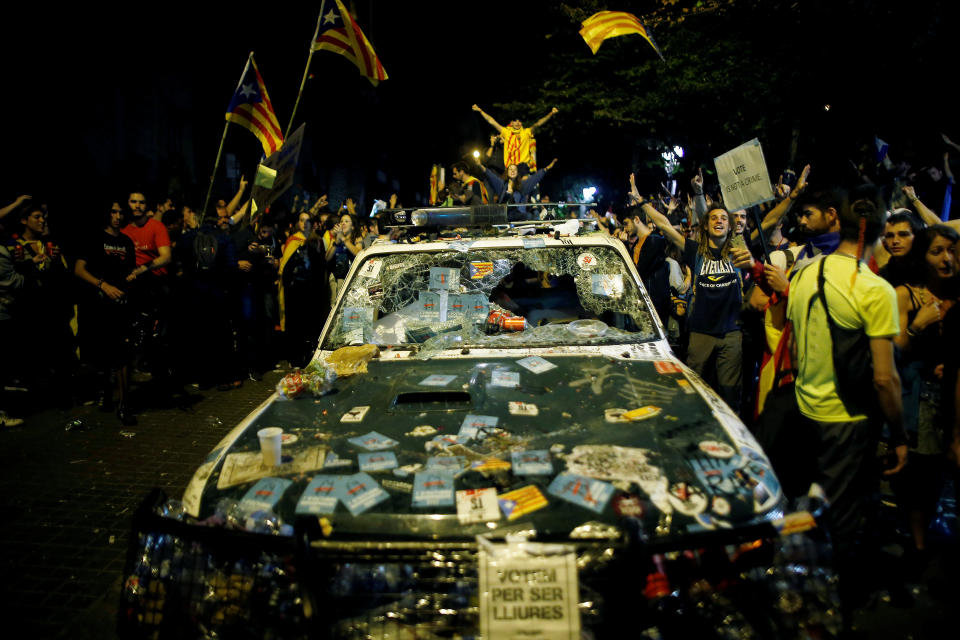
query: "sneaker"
7, 421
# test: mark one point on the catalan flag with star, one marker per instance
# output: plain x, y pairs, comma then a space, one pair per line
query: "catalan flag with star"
252, 110
338, 32
610, 24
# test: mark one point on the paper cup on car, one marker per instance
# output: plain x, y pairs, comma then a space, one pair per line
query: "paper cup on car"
270, 440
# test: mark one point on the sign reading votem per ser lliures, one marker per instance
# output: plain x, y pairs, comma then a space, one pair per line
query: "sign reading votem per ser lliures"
528, 595
284, 162
743, 176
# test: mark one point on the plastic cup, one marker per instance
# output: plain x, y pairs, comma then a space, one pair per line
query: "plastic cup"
270, 445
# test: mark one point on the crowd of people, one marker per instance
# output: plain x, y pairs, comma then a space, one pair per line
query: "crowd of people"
826, 318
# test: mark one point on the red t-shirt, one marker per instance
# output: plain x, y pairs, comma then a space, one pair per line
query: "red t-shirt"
147, 239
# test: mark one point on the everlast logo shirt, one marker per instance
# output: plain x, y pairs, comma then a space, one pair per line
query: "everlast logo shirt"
717, 292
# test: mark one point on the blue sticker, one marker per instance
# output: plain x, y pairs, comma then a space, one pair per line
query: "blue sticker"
581, 490
475, 304
433, 489
532, 463
437, 381
455, 305
373, 441
266, 493
359, 492
377, 461
509, 379
357, 317
428, 305
320, 496
476, 427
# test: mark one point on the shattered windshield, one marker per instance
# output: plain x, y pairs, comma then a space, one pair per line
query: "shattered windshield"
493, 297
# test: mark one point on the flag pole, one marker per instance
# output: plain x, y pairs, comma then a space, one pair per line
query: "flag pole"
306, 71
216, 164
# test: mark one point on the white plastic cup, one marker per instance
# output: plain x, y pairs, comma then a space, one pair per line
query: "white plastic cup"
270, 445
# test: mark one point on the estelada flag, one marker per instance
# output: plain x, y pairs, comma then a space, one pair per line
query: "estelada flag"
338, 32
610, 24
251, 109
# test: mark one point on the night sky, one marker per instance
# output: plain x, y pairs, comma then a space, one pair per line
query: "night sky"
101, 100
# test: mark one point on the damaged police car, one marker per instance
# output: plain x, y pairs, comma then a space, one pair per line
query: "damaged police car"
494, 439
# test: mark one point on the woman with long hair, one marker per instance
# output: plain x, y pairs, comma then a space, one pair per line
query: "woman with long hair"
347, 242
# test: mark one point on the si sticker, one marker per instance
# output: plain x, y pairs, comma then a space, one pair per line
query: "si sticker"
477, 505
371, 269
587, 261
355, 415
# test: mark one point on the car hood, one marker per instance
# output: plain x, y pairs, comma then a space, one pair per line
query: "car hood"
593, 444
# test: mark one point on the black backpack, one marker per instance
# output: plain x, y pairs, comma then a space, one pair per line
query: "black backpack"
205, 247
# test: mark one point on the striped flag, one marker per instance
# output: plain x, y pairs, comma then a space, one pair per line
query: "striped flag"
610, 24
521, 501
251, 109
338, 32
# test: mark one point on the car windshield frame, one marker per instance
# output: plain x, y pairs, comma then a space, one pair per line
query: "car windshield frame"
412, 293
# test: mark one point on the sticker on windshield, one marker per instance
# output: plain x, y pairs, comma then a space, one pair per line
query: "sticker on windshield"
582, 491
357, 317
687, 498
536, 364
429, 305
518, 408
360, 492
477, 505
436, 380
433, 488
355, 415
373, 441
474, 304
509, 379
479, 270
265, 494
587, 261
531, 463
521, 502
717, 449
444, 278
377, 461
534, 243
446, 463
608, 285
319, 496
665, 366
371, 269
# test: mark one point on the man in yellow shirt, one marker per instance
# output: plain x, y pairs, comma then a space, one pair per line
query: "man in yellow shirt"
844, 437
519, 145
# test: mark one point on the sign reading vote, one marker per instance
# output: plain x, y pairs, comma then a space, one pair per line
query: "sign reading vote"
524, 594
743, 176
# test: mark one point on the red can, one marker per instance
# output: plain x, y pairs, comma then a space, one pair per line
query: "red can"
515, 323
496, 317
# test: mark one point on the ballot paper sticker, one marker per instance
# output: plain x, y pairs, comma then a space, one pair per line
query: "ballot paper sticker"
477, 505
433, 488
355, 415
333, 461
521, 502
518, 408
359, 492
531, 463
445, 278
508, 379
476, 427
428, 305
373, 441
319, 496
583, 491
356, 317
608, 285
377, 461
665, 366
587, 261
371, 269
437, 381
536, 364
265, 493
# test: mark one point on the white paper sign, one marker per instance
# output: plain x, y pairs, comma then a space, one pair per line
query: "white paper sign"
743, 176
524, 595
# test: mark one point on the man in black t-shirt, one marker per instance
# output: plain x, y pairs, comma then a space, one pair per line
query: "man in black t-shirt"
106, 325
648, 251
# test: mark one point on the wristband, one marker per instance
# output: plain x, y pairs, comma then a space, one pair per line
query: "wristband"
100, 284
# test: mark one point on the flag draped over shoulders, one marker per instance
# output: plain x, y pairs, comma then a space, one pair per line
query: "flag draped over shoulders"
251, 109
338, 32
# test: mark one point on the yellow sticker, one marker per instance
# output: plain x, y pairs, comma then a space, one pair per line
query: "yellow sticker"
642, 413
